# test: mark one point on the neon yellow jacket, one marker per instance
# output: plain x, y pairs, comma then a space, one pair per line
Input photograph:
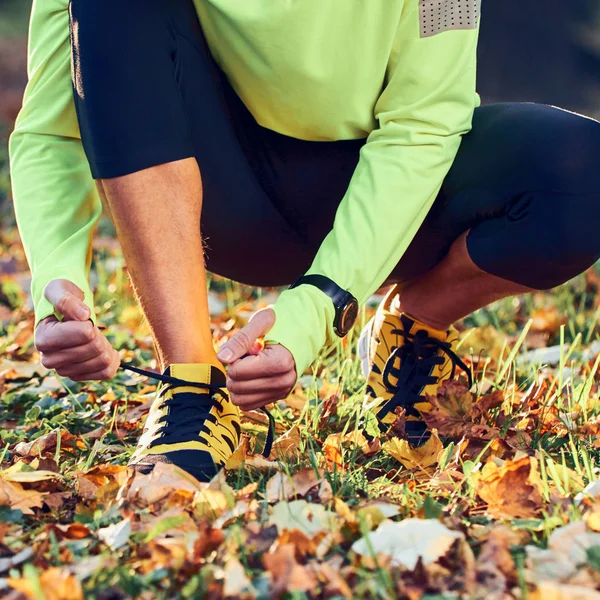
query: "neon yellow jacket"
399, 72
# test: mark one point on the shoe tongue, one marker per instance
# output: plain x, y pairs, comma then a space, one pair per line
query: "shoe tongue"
413, 325
197, 373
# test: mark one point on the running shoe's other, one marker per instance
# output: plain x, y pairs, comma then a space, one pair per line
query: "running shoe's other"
192, 423
405, 360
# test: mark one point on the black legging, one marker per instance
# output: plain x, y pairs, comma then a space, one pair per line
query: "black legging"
526, 181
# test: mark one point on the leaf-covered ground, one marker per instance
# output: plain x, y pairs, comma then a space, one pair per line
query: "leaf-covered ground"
495, 505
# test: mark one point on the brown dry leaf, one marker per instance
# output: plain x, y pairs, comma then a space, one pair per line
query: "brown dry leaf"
85, 487
164, 480
282, 487
451, 409
17, 370
288, 444
332, 447
239, 457
58, 584
287, 575
45, 443
486, 403
335, 584
303, 545
415, 458
330, 405
512, 490
72, 531
550, 590
13, 495
209, 539
236, 582
496, 569
102, 474
211, 504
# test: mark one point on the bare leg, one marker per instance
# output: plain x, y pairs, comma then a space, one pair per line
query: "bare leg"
454, 289
156, 213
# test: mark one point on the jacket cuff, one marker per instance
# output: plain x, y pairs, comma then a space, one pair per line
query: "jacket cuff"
303, 324
43, 308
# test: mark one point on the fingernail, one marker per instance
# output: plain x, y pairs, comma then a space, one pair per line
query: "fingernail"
225, 355
82, 313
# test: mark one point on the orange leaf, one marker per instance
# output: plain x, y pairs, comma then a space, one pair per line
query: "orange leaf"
512, 490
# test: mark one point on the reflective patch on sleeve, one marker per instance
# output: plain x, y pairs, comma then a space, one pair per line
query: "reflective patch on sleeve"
437, 16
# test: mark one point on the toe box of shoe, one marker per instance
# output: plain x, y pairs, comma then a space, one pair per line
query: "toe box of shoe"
197, 463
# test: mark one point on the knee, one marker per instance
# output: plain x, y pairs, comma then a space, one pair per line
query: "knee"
570, 154
565, 243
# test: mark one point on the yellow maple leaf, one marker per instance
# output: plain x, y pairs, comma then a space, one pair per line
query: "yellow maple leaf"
415, 458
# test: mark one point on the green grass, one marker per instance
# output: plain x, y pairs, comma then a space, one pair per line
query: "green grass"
96, 430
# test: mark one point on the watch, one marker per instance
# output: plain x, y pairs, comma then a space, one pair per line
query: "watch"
345, 304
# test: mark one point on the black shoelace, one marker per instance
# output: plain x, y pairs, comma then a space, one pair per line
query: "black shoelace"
419, 354
185, 409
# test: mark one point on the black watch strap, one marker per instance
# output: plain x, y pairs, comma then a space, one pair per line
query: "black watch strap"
326, 285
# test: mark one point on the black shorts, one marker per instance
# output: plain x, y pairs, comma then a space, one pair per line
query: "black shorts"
147, 91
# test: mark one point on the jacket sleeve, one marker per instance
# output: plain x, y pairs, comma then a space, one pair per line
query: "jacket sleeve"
56, 201
426, 106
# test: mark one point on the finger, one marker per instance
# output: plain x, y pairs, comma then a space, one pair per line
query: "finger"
75, 355
254, 401
103, 374
60, 335
240, 343
67, 299
102, 361
268, 363
277, 384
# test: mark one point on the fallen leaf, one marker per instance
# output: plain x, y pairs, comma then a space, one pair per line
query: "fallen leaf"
415, 458
57, 584
408, 541
117, 535
335, 584
547, 590
13, 495
164, 480
236, 581
44, 443
287, 575
29, 476
299, 514
283, 487
512, 490
288, 444
572, 541
451, 409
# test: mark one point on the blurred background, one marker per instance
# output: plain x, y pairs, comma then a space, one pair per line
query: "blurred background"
530, 50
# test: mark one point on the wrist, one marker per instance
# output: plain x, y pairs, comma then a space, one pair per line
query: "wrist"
303, 324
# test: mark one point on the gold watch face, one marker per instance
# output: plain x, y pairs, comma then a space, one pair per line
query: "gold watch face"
348, 317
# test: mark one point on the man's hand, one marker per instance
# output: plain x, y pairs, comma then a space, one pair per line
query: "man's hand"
74, 347
267, 375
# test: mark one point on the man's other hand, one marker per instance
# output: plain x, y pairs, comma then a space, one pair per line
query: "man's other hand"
74, 347
267, 374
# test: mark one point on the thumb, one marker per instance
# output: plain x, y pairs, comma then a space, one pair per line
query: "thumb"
244, 340
67, 300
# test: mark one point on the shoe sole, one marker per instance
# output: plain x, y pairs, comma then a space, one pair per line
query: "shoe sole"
364, 346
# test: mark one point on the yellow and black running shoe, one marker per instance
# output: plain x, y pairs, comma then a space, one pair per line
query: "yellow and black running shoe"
404, 361
192, 423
